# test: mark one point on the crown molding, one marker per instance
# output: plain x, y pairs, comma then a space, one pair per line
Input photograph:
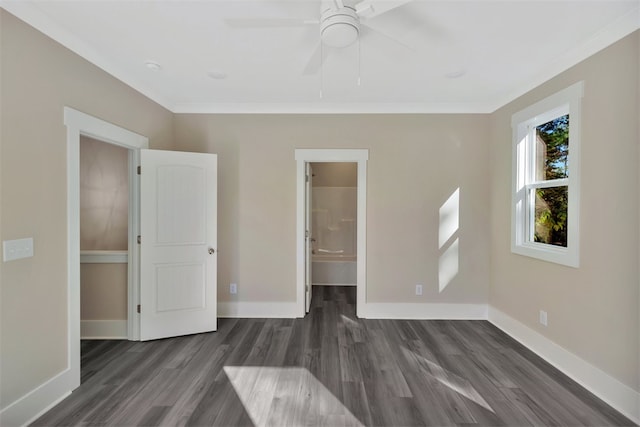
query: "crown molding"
332, 108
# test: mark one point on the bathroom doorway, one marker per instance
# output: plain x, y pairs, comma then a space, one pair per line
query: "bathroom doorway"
334, 207
332, 239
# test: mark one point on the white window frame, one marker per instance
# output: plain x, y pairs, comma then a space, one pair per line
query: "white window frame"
524, 123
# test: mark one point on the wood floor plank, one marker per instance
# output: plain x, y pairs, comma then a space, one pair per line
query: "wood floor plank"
153, 416
355, 400
212, 403
327, 369
531, 410
186, 400
298, 343
349, 362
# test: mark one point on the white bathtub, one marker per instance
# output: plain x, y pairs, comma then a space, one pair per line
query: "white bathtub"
334, 270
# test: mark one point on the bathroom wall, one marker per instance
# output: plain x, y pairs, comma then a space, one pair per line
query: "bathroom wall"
334, 209
335, 174
334, 220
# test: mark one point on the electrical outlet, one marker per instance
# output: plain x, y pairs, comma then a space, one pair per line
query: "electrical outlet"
543, 317
418, 289
233, 288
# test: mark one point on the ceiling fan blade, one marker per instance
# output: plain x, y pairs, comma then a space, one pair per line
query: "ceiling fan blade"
367, 29
339, 4
315, 60
269, 22
368, 9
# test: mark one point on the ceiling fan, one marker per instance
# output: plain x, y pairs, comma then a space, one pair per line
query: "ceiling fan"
341, 23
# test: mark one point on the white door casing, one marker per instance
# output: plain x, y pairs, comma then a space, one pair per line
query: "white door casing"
308, 236
359, 156
178, 259
77, 124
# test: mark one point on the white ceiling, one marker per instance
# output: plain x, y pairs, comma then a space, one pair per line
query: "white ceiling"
495, 50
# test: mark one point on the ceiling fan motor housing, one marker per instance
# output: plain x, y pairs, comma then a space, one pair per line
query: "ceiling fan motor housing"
339, 27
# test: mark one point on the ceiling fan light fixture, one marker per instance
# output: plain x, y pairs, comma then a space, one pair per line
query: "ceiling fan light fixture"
339, 28
339, 35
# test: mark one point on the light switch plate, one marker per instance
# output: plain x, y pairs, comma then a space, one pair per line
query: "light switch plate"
16, 249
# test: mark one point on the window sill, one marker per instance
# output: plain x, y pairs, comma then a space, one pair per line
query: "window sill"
549, 253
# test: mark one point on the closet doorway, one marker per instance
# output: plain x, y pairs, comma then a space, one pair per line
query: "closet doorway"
104, 236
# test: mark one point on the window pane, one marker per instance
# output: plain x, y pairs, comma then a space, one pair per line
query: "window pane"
552, 149
551, 215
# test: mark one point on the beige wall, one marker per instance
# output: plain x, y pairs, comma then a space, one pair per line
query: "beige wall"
104, 217
335, 174
38, 79
416, 163
104, 195
593, 310
103, 292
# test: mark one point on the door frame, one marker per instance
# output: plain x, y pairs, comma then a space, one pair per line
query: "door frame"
308, 235
81, 124
359, 156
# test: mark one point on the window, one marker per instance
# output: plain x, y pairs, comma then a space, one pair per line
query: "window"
546, 178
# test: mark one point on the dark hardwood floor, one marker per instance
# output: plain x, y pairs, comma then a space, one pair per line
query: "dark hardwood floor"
328, 369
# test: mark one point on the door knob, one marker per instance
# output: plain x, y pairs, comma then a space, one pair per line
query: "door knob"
211, 251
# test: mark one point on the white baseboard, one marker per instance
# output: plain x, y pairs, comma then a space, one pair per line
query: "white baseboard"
285, 310
37, 401
370, 310
428, 311
334, 284
103, 330
618, 395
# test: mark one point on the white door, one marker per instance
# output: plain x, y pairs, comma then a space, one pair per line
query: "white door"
178, 259
308, 235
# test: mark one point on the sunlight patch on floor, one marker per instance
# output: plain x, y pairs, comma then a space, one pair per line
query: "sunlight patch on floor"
449, 379
349, 321
275, 396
